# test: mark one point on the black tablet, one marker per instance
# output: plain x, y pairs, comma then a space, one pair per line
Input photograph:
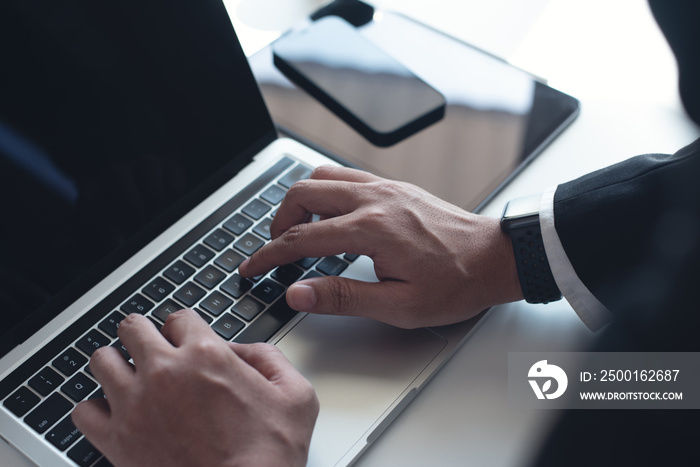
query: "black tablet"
496, 117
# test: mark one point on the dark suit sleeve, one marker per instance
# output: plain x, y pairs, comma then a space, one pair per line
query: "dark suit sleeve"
632, 234
630, 228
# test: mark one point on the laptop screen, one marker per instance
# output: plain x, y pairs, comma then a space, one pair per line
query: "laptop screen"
115, 117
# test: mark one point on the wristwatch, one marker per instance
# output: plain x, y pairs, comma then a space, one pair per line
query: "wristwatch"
521, 220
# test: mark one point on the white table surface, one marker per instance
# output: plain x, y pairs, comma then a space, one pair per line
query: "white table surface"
612, 57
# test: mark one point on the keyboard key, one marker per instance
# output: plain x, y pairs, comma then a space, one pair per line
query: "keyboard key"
137, 304
237, 224
268, 291
248, 244
46, 381
209, 277
229, 260
48, 412
274, 194
306, 263
84, 454
350, 257
78, 387
179, 272
297, 173
69, 361
111, 324
21, 401
165, 309
332, 266
92, 341
248, 308
236, 286
158, 289
287, 274
263, 228
218, 239
311, 274
228, 326
189, 294
199, 256
216, 303
256, 209
267, 324
64, 434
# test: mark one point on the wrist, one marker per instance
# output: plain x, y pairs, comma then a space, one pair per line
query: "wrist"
521, 223
491, 264
508, 281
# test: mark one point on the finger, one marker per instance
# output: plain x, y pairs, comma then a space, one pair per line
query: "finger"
184, 327
267, 359
140, 337
323, 197
342, 296
329, 172
271, 364
323, 238
92, 418
112, 371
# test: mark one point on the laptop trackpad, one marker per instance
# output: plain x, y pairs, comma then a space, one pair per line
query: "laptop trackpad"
359, 368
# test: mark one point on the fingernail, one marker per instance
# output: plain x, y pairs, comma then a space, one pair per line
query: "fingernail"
301, 297
244, 264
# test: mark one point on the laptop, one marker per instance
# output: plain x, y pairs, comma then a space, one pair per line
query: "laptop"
138, 167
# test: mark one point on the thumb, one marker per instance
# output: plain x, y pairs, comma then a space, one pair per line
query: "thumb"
92, 418
333, 295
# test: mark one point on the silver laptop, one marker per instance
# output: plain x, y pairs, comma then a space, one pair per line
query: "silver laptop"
138, 167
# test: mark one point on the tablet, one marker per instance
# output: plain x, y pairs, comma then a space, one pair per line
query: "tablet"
496, 119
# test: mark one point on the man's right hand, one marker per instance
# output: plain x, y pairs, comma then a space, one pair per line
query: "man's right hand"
436, 263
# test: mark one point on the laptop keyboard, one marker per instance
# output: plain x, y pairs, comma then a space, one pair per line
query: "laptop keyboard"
203, 276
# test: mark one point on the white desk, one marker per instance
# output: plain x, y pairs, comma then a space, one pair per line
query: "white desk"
613, 58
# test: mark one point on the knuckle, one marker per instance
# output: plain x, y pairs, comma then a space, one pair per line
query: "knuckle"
297, 188
161, 371
175, 316
130, 320
295, 235
322, 172
308, 397
212, 351
374, 219
341, 297
386, 188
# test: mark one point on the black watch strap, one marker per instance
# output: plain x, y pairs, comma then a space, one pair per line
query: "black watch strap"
536, 280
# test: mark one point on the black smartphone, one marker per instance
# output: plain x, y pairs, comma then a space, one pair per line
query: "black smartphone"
363, 85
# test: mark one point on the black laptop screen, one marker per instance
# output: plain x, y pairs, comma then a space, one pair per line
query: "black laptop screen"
113, 116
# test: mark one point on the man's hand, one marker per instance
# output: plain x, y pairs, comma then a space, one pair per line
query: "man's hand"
436, 263
192, 399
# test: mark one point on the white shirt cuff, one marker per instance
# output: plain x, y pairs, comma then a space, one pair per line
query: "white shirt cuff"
587, 307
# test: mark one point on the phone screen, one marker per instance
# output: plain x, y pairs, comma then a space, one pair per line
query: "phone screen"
363, 85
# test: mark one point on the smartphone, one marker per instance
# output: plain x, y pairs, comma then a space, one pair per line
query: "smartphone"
363, 85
